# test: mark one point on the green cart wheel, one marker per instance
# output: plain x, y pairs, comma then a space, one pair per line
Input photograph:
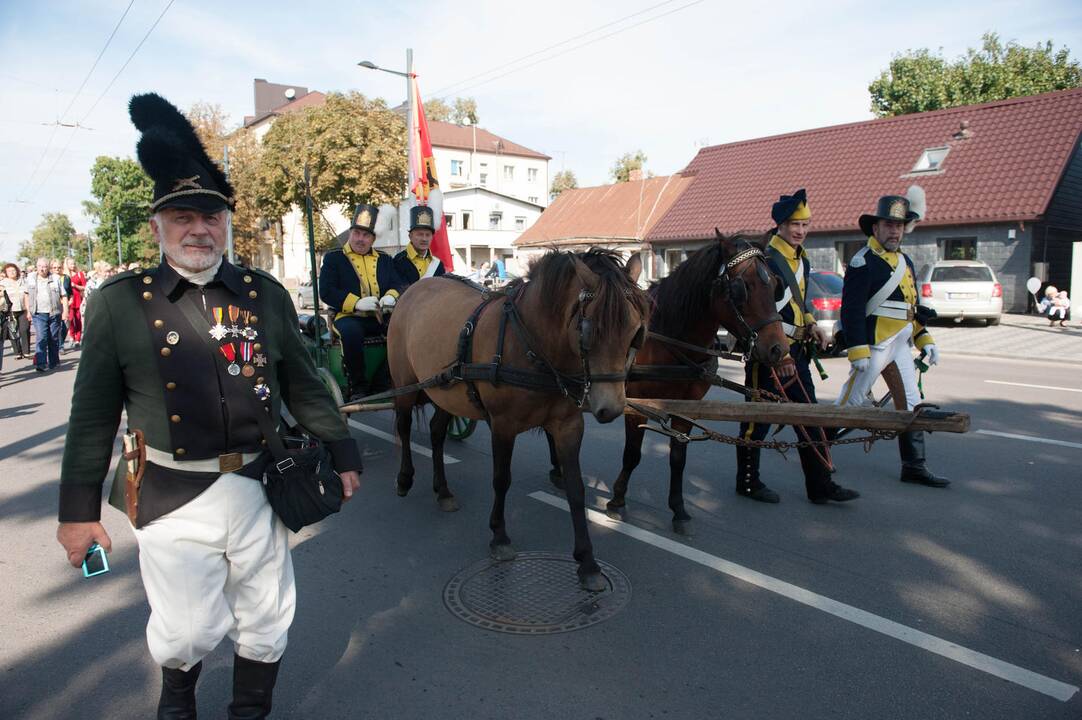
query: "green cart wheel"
461, 428
331, 383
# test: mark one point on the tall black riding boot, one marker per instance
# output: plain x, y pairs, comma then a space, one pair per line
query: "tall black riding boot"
817, 482
177, 701
911, 449
747, 476
253, 685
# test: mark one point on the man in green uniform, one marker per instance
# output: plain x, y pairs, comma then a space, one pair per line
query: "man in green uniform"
214, 558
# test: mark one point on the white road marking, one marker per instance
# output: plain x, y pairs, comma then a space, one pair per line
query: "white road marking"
1040, 387
1046, 441
447, 459
979, 661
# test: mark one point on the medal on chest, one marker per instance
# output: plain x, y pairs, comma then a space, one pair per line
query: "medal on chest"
218, 331
229, 350
246, 356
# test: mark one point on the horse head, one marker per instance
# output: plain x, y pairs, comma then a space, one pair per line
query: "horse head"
743, 298
598, 318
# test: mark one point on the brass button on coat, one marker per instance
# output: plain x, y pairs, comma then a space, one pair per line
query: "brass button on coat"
257, 347
253, 319
253, 294
180, 451
147, 295
175, 418
170, 386
247, 278
158, 323
147, 280
166, 352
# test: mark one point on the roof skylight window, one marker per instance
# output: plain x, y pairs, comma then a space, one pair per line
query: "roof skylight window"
931, 160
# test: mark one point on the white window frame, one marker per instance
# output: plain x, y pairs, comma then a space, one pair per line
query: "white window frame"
495, 220
531, 174
520, 222
457, 167
931, 160
508, 172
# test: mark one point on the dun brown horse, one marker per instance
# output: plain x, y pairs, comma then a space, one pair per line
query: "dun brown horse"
553, 342
725, 284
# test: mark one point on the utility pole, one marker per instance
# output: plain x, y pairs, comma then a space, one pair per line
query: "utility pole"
312, 262
228, 213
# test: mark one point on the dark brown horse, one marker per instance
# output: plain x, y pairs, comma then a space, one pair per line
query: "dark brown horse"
725, 284
578, 316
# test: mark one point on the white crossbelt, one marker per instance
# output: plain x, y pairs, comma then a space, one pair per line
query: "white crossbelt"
895, 309
433, 266
895, 279
165, 459
788, 295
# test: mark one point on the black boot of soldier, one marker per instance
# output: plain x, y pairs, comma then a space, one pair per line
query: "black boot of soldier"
747, 476
253, 685
821, 489
177, 701
914, 470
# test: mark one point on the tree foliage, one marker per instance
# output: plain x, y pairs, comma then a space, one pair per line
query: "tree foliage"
52, 238
920, 80
355, 149
563, 180
621, 169
121, 190
463, 110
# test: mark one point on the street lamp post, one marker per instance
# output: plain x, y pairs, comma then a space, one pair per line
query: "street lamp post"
369, 65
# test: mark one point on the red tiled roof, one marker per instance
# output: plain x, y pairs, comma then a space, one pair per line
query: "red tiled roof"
624, 211
449, 135
1006, 170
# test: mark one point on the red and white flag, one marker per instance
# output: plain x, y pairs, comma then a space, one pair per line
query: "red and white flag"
422, 177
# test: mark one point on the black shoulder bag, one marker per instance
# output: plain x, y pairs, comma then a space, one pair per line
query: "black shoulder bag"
302, 485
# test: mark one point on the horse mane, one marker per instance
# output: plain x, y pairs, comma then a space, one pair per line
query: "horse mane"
686, 292
555, 269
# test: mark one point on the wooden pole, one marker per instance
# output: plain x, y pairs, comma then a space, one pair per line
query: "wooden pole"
866, 418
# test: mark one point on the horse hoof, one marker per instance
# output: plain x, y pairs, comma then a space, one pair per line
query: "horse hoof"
593, 582
448, 504
402, 491
683, 527
616, 512
502, 553
556, 477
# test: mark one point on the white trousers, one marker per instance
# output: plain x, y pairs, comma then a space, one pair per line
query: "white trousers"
895, 349
218, 566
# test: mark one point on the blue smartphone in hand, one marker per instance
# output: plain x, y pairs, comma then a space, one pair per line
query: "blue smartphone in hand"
96, 562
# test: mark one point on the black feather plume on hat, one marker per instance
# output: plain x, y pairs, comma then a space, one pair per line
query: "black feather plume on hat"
171, 153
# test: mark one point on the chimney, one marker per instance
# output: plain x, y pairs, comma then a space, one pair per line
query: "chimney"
964, 133
634, 175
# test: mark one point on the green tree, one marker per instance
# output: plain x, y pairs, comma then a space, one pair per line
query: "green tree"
52, 238
621, 169
121, 190
463, 111
355, 149
563, 180
920, 80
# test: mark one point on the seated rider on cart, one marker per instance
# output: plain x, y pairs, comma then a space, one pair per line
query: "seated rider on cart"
359, 283
417, 260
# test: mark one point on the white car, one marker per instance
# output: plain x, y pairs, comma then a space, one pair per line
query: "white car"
962, 289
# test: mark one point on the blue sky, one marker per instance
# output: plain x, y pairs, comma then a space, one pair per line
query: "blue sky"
669, 80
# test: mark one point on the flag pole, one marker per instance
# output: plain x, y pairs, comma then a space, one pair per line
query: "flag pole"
411, 131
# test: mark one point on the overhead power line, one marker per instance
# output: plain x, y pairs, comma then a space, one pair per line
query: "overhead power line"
448, 88
581, 45
102, 95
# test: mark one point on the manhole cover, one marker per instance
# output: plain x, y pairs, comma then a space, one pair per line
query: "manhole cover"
537, 593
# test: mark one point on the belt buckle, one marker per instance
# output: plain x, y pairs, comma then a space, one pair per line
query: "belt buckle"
909, 314
798, 332
230, 462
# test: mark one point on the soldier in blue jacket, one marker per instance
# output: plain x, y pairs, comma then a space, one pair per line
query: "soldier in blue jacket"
789, 262
359, 283
881, 322
417, 261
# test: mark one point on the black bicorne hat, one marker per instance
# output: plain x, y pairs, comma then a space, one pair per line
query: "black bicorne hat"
786, 205
422, 218
171, 154
364, 217
891, 207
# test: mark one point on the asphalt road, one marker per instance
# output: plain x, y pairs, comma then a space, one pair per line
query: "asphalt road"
910, 602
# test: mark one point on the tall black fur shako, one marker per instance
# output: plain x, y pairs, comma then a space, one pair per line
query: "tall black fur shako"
171, 154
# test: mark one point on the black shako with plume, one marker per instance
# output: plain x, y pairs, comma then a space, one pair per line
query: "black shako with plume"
171, 154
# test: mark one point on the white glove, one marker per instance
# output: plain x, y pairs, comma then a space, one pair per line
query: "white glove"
387, 301
933, 354
366, 304
861, 365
